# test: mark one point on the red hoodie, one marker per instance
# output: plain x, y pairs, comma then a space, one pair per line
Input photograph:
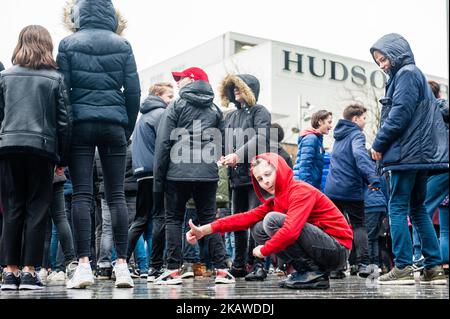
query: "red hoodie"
300, 202
309, 131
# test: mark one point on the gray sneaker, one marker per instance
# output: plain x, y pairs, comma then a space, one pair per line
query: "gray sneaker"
397, 276
433, 276
187, 271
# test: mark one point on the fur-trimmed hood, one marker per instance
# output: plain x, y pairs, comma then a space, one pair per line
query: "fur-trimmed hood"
93, 14
247, 84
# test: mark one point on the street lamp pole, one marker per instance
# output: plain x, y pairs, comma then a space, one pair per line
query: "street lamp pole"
300, 106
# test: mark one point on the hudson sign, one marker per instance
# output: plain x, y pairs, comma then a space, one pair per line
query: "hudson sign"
335, 70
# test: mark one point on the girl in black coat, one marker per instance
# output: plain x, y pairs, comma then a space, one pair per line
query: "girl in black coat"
35, 127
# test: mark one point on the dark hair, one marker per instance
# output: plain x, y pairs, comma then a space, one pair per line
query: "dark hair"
34, 49
354, 109
279, 130
321, 115
435, 88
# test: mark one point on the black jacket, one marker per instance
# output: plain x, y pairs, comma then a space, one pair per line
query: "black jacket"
248, 116
35, 114
99, 66
194, 116
1, 67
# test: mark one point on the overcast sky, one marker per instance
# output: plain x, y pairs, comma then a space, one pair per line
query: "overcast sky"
159, 30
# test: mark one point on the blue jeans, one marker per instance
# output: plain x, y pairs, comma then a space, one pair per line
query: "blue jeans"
437, 189
443, 221
107, 251
140, 255
408, 191
191, 253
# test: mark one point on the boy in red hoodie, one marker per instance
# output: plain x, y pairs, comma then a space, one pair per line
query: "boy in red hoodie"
296, 221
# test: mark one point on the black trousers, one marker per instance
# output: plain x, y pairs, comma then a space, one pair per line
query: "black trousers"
26, 194
204, 195
354, 211
111, 143
149, 209
243, 199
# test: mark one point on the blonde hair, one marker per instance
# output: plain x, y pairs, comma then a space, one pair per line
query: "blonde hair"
158, 89
34, 49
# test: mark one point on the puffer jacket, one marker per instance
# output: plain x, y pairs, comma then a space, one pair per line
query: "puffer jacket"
144, 136
250, 115
99, 66
35, 114
186, 138
443, 107
309, 164
351, 168
412, 134
326, 170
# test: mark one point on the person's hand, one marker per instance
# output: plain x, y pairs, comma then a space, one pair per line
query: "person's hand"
257, 252
221, 161
59, 171
377, 156
231, 160
193, 235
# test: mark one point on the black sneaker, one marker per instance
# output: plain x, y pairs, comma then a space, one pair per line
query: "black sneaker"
337, 274
308, 280
29, 281
134, 272
154, 273
103, 273
353, 270
258, 274
10, 281
237, 272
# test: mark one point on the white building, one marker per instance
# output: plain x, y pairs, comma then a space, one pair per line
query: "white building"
295, 81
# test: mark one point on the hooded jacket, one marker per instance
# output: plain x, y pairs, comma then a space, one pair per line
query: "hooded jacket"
351, 168
412, 134
184, 139
301, 202
97, 64
248, 115
144, 135
309, 164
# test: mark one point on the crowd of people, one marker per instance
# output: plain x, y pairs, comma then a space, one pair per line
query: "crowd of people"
89, 190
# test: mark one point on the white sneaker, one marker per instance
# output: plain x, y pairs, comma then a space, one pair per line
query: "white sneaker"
43, 273
123, 276
57, 276
223, 276
169, 277
82, 277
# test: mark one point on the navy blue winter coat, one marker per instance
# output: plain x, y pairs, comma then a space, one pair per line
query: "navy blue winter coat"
412, 134
375, 201
351, 168
326, 170
309, 164
99, 66
144, 136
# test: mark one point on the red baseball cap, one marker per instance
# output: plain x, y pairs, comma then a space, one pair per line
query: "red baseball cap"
194, 73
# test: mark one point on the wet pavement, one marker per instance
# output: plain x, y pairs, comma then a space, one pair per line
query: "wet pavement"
351, 287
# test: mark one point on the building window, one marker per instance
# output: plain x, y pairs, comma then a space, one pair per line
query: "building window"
242, 46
